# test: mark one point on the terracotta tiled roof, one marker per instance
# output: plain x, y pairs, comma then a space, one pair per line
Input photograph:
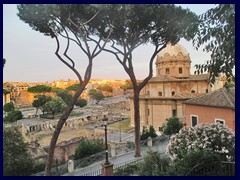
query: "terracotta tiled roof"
168, 78
219, 98
182, 96
199, 77
187, 95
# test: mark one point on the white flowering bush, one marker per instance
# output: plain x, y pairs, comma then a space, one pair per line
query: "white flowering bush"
214, 137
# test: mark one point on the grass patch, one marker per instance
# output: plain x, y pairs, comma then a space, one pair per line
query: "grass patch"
74, 113
125, 125
64, 136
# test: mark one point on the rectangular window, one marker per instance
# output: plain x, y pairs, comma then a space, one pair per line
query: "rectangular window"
180, 70
159, 93
167, 71
194, 120
220, 121
148, 112
174, 113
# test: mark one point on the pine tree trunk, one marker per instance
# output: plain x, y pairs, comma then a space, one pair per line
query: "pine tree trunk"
58, 129
137, 123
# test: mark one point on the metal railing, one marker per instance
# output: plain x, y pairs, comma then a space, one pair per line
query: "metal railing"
222, 168
133, 161
120, 165
80, 163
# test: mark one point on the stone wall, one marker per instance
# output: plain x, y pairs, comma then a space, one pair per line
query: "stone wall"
65, 149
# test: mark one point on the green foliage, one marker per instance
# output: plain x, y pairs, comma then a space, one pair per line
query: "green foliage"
38, 167
152, 132
57, 89
127, 85
216, 31
72, 87
148, 133
81, 103
154, 165
74, 113
55, 105
66, 96
88, 147
130, 145
92, 91
13, 116
8, 107
172, 126
39, 89
5, 91
205, 158
16, 160
214, 137
126, 170
41, 101
97, 95
105, 87
145, 133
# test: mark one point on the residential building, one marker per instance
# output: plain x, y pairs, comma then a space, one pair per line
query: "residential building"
215, 107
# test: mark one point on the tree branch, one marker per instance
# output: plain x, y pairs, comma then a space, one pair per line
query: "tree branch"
68, 65
156, 51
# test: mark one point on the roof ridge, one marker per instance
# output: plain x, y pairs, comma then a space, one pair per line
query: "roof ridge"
226, 95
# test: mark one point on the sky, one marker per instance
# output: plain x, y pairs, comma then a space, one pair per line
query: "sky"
30, 56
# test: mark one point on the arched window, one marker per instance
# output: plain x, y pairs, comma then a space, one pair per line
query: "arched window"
173, 93
193, 91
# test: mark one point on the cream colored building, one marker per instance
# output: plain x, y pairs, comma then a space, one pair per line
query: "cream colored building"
164, 94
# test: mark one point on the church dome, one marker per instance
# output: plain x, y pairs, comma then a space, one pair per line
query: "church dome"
173, 50
173, 60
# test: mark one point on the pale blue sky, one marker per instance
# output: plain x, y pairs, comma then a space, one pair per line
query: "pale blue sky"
30, 55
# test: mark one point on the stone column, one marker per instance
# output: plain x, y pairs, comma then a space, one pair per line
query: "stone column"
70, 166
107, 169
149, 142
113, 150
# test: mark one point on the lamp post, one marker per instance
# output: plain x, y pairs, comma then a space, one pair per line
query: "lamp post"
105, 123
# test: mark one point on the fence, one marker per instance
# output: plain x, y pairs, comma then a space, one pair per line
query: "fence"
99, 171
215, 169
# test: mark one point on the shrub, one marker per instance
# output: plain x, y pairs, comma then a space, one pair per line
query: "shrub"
203, 158
88, 147
130, 145
81, 103
172, 126
154, 165
13, 116
152, 132
213, 137
145, 133
16, 159
38, 167
148, 133
8, 107
126, 170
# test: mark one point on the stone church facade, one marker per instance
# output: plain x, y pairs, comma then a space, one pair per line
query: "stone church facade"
164, 94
